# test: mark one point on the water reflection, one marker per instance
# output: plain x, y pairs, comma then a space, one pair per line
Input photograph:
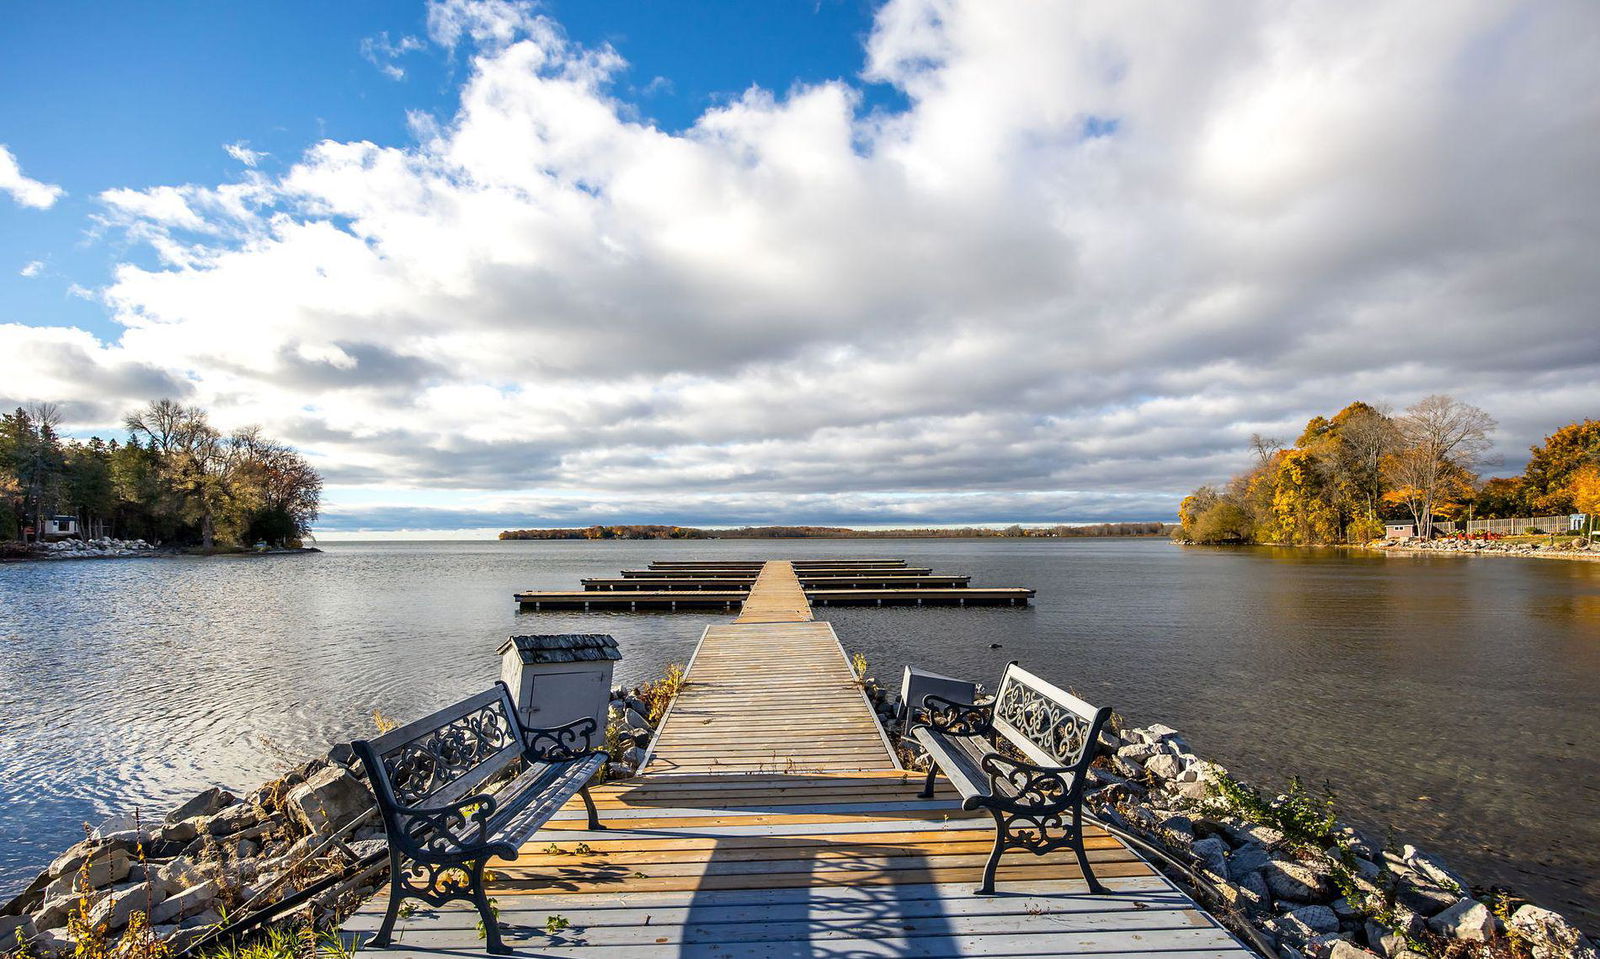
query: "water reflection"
1454, 698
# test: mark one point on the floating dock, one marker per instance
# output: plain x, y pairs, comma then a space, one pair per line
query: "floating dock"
771, 821
727, 584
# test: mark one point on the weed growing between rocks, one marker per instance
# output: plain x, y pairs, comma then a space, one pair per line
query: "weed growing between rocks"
294, 942
658, 695
1306, 821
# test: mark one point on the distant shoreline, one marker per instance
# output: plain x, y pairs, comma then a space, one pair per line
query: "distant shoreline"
1149, 530
160, 553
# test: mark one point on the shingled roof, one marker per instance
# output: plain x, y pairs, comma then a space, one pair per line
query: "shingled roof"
564, 648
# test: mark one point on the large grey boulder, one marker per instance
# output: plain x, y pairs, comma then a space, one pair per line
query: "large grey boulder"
53, 913
92, 850
1468, 919
1164, 766
330, 800
1548, 936
1295, 882
15, 928
189, 902
107, 866
1317, 919
1212, 854
233, 819
207, 803
114, 910
1249, 858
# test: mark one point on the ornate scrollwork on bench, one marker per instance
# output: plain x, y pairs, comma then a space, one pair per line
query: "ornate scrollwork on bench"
572, 741
440, 756
956, 719
1051, 725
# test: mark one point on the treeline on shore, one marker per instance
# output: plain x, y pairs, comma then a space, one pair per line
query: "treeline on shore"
840, 532
175, 479
1347, 476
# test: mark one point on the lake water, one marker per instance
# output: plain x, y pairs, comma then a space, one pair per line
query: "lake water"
1454, 699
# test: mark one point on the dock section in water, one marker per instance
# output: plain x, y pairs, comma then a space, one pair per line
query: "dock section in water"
727, 585
771, 820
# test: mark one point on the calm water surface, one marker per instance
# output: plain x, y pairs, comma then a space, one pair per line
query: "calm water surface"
1453, 699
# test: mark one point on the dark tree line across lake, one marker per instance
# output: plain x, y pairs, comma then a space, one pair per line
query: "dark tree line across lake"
173, 479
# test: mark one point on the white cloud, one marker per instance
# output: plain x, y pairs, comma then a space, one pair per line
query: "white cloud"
241, 151
1100, 248
31, 269
382, 53
25, 191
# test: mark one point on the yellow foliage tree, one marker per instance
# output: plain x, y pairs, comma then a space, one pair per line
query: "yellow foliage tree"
1583, 486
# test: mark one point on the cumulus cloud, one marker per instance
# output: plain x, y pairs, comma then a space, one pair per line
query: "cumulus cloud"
1100, 247
25, 191
31, 269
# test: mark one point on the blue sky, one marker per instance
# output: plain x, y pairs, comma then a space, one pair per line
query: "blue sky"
495, 262
105, 95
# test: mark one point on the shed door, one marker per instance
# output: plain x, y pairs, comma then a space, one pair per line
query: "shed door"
560, 696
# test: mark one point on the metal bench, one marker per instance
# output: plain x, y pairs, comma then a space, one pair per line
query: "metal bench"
430, 778
1037, 801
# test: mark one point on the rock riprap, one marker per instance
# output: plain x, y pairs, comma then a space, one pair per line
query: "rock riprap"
212, 856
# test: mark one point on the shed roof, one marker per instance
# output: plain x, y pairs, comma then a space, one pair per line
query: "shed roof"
564, 648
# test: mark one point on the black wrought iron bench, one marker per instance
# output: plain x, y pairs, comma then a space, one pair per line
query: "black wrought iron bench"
1037, 802
430, 778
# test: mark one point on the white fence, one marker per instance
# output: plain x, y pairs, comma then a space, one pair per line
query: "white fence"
1508, 527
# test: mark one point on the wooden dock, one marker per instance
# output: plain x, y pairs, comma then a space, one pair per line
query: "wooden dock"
729, 584
770, 820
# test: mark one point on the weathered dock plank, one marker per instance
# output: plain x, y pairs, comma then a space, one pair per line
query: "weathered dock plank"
776, 597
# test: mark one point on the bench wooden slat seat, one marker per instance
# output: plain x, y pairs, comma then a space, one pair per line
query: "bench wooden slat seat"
1036, 801
467, 784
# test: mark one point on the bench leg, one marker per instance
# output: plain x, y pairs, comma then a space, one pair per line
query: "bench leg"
392, 911
491, 925
927, 787
1095, 888
588, 803
987, 889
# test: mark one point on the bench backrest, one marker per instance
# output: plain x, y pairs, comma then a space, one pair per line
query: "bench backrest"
446, 756
1049, 725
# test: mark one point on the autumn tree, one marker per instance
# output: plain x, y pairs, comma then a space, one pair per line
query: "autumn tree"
1564, 452
1583, 489
1441, 443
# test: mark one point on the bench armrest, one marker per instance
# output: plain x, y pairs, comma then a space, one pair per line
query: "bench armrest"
1028, 787
955, 718
434, 829
575, 740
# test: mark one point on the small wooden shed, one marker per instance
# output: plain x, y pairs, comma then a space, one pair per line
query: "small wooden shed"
560, 677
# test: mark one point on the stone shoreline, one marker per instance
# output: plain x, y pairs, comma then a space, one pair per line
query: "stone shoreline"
1448, 547
107, 548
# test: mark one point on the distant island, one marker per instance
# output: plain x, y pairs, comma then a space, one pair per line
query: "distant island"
842, 532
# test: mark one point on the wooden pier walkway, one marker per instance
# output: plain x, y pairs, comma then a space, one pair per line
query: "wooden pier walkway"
770, 820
